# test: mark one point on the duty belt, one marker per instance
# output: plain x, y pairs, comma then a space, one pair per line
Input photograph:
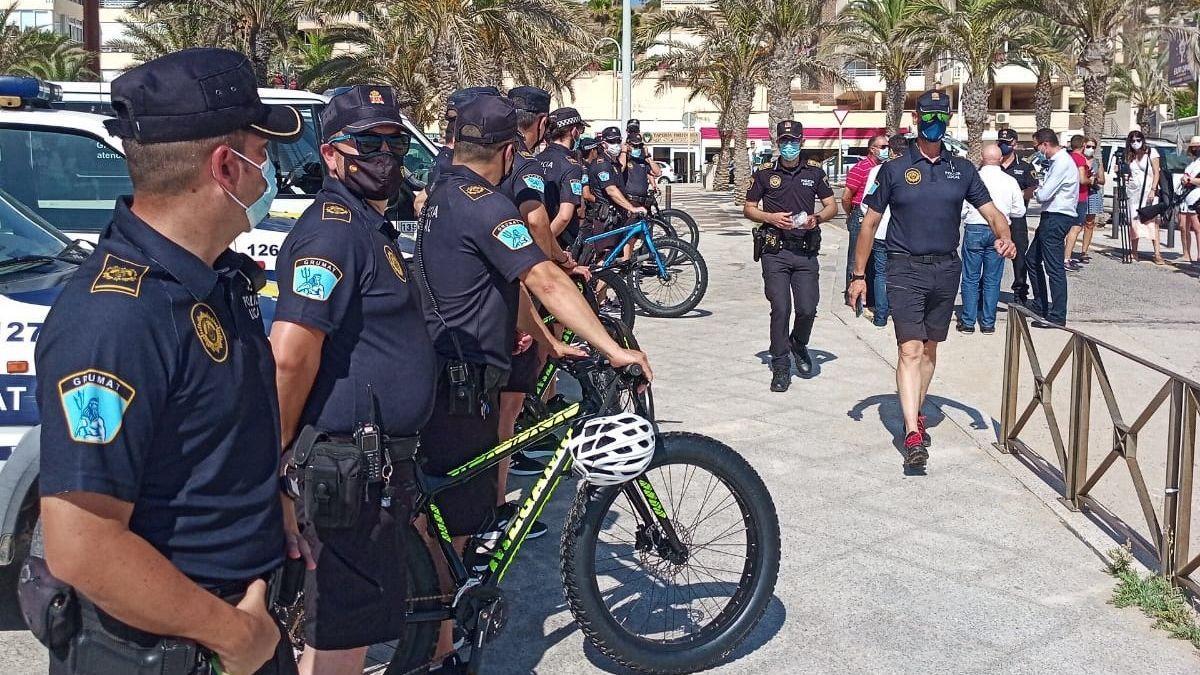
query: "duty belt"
927, 259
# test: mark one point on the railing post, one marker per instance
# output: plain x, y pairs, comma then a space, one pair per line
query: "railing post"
1081, 417
667, 196
1177, 493
1012, 365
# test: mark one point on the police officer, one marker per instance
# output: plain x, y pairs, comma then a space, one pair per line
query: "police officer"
605, 174
160, 435
638, 170
788, 190
1022, 171
563, 172
925, 191
442, 159
349, 318
472, 250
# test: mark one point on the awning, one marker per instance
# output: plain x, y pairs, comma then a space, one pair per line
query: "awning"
810, 133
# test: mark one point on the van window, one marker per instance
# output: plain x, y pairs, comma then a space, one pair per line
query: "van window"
70, 179
419, 161
299, 164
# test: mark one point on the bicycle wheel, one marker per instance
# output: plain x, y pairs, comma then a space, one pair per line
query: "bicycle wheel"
613, 297
659, 229
684, 224
630, 400
683, 287
656, 615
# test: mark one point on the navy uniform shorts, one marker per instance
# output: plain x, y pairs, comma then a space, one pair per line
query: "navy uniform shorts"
526, 367
921, 295
449, 441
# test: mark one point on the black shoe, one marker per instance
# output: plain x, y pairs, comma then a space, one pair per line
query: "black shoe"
781, 376
987, 330
804, 362
964, 328
915, 452
523, 465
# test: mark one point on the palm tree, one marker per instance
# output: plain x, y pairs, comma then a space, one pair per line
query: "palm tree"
801, 43
725, 52
1045, 48
1141, 80
151, 33
877, 35
975, 34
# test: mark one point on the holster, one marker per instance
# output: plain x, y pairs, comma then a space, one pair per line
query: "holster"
766, 241
49, 606
104, 645
473, 388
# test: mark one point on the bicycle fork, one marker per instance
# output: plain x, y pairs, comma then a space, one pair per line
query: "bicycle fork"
656, 531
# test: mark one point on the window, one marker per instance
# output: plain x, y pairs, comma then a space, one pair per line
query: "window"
70, 179
75, 29
28, 19
21, 234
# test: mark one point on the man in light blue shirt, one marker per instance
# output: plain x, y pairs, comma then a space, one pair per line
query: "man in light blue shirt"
1059, 196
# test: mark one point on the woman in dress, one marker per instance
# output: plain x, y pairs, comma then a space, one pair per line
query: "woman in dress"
1141, 188
1189, 222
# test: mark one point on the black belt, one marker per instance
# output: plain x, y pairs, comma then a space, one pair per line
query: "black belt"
927, 259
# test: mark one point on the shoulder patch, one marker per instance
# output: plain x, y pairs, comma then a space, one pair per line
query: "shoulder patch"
394, 263
315, 278
335, 211
576, 187
513, 234
209, 330
534, 182
118, 275
474, 191
603, 175
94, 404
584, 179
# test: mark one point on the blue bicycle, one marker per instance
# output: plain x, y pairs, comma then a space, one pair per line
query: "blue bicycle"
667, 277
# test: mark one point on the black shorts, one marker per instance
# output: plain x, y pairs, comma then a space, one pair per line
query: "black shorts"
921, 296
449, 441
351, 599
526, 367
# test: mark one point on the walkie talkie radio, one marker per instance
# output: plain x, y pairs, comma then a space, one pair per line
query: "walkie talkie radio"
369, 439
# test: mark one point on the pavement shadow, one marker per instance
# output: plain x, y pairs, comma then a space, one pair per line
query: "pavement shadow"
819, 358
892, 417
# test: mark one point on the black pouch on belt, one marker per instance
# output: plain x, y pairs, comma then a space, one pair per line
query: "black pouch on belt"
465, 388
104, 646
758, 235
332, 477
49, 606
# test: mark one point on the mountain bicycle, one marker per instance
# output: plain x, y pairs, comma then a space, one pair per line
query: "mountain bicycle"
668, 277
680, 222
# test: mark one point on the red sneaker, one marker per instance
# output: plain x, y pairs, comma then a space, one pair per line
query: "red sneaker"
915, 452
925, 439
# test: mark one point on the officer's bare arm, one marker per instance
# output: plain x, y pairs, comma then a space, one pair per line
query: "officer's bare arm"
614, 193
89, 546
535, 216
752, 212
866, 240
566, 211
297, 351
548, 283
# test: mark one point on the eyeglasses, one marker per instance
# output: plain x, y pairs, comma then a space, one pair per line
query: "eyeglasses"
369, 144
931, 116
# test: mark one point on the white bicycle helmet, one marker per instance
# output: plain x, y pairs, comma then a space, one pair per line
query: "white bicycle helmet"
613, 449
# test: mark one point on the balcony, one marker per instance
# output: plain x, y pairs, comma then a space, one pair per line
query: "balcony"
118, 4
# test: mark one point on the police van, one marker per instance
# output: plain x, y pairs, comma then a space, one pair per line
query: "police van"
61, 173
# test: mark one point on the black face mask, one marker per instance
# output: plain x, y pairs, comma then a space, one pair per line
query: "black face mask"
375, 176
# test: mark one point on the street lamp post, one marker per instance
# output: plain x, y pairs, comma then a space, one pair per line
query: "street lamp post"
626, 61
616, 44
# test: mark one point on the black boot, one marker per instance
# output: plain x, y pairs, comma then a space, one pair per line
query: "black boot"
804, 362
781, 375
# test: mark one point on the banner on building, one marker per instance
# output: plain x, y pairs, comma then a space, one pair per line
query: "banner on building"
1180, 71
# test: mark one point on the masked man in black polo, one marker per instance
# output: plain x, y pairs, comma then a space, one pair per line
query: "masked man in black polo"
788, 191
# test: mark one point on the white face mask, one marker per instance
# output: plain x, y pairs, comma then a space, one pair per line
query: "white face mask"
1088, 152
1136, 145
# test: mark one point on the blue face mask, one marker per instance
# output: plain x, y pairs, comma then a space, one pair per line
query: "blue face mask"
789, 150
1006, 149
933, 131
261, 208
884, 154
635, 153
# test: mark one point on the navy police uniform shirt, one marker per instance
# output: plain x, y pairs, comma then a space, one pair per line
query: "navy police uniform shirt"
472, 249
637, 177
342, 275
525, 183
1022, 171
564, 181
926, 199
157, 387
601, 174
789, 190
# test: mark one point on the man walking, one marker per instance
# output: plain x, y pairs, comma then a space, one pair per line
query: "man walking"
1022, 171
983, 267
1059, 197
925, 191
897, 147
856, 189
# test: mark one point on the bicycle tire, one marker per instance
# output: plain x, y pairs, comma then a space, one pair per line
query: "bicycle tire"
620, 304
644, 281
659, 229
685, 225
590, 516
416, 642
641, 403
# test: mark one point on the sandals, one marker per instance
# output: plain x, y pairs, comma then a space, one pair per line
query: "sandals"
1158, 260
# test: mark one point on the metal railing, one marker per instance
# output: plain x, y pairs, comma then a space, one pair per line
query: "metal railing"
1169, 538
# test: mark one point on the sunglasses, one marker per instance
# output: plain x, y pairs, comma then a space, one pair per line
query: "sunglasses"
369, 144
931, 116
1089, 147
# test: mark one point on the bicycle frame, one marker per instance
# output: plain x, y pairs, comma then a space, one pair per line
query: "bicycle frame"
640, 228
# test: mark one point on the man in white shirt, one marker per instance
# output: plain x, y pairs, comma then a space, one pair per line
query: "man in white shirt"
1059, 197
983, 268
897, 147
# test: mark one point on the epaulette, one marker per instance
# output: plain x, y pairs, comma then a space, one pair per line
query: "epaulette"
474, 191
335, 211
118, 275
813, 162
526, 154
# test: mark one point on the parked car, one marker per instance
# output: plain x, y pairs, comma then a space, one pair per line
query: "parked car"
668, 174
830, 167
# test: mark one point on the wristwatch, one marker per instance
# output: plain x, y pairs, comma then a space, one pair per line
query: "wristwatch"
858, 277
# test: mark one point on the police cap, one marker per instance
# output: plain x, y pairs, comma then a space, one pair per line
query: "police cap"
565, 117
1007, 136
530, 99
933, 101
588, 144
193, 94
635, 139
361, 107
789, 129
633, 125
462, 96
486, 120
611, 135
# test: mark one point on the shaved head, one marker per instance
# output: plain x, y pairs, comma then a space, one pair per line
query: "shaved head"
992, 155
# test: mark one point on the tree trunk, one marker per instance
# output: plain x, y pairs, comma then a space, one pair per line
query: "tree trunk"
254, 39
445, 79
721, 162
1095, 63
894, 104
976, 92
1043, 99
743, 101
779, 97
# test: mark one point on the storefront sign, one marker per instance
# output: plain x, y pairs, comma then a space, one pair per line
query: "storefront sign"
670, 137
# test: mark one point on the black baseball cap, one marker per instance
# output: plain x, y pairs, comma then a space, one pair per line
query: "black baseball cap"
933, 101
588, 144
565, 117
193, 94
611, 135
635, 139
789, 129
530, 99
1007, 136
632, 124
486, 120
462, 96
359, 108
